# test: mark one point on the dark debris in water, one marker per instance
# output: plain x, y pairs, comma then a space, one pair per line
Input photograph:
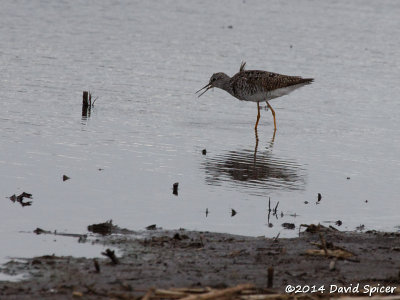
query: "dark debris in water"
289, 226
312, 228
41, 231
105, 228
81, 237
65, 178
151, 227
108, 228
175, 188
233, 212
20, 199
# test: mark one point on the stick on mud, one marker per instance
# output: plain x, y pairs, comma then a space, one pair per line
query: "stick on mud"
323, 243
270, 282
220, 293
111, 254
96, 265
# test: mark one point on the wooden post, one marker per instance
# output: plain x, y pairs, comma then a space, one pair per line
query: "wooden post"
86, 103
85, 99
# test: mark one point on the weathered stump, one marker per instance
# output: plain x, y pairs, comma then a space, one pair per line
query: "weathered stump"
86, 104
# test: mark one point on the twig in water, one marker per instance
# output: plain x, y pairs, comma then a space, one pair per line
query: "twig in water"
276, 208
269, 204
94, 100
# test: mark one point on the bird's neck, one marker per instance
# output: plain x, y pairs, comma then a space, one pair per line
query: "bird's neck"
226, 86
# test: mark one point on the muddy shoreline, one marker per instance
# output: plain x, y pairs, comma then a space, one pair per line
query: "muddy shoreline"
165, 259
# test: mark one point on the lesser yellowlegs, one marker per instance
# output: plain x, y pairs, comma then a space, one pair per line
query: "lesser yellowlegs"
256, 86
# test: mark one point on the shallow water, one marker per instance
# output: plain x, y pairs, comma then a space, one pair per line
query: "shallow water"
144, 60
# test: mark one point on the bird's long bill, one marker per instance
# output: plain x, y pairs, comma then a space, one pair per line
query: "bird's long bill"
207, 87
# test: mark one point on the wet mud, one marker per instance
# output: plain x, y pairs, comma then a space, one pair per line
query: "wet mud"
166, 259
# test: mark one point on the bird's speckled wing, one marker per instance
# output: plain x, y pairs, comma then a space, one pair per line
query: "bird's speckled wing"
253, 81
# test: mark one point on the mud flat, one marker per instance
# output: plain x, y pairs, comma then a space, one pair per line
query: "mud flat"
194, 260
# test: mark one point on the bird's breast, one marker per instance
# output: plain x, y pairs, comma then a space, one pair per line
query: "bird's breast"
254, 97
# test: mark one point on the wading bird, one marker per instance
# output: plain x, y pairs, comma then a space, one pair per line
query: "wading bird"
256, 86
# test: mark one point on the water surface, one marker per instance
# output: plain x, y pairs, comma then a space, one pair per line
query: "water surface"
144, 60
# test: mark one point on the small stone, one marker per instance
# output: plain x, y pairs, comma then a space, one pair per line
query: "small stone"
332, 265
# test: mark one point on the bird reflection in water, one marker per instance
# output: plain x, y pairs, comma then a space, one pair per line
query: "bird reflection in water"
258, 170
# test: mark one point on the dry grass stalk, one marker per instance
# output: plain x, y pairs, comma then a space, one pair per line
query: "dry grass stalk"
220, 293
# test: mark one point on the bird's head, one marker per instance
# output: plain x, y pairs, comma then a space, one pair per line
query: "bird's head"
217, 80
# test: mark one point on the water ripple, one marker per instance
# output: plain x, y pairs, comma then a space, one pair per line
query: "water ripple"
258, 172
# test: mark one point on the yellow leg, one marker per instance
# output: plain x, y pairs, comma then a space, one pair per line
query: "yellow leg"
273, 113
256, 146
258, 115
273, 137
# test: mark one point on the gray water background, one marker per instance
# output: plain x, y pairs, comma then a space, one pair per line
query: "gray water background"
144, 60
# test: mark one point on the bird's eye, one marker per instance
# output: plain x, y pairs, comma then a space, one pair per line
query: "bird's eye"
214, 79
